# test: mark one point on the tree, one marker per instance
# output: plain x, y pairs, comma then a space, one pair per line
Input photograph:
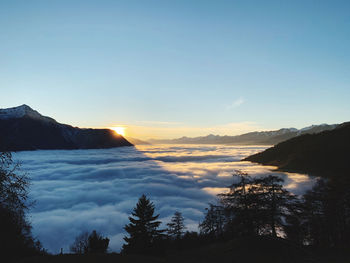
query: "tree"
257, 206
275, 202
13, 186
15, 238
176, 226
214, 221
142, 229
80, 245
90, 243
97, 243
241, 206
323, 219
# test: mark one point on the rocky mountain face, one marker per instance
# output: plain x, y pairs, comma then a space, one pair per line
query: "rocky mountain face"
22, 128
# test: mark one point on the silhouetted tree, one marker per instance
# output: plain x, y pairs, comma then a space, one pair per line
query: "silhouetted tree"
97, 243
323, 219
142, 229
80, 245
295, 227
214, 221
241, 205
15, 231
275, 203
256, 206
90, 243
176, 226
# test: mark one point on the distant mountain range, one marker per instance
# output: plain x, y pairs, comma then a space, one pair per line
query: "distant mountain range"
22, 128
251, 138
135, 141
325, 153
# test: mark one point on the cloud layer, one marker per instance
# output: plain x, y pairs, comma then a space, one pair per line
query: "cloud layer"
82, 190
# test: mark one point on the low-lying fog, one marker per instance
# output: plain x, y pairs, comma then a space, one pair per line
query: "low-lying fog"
83, 190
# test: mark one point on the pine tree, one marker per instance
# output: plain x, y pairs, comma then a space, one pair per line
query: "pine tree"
176, 226
142, 229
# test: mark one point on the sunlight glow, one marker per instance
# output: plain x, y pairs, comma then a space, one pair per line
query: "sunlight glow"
119, 130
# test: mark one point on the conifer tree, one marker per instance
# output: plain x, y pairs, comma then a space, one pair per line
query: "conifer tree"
143, 228
176, 226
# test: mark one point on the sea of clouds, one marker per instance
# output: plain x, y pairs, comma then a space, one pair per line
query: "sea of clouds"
85, 190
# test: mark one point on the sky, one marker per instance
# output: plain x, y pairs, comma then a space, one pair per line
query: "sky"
165, 69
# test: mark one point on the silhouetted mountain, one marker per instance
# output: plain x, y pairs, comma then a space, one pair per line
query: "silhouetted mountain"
324, 153
22, 128
251, 138
135, 141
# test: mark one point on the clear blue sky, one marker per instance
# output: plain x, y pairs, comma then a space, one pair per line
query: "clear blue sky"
268, 64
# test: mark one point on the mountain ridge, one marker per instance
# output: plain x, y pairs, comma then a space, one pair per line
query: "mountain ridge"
251, 138
22, 128
22, 111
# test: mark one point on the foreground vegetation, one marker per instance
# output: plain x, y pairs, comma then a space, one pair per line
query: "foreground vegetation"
15, 231
250, 250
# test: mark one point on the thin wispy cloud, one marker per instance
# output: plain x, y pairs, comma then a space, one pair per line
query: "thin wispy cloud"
235, 104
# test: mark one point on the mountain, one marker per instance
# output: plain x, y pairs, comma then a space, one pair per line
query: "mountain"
325, 153
22, 128
135, 141
251, 138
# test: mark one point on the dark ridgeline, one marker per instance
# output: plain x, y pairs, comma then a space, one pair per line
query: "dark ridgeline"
22, 128
251, 138
322, 154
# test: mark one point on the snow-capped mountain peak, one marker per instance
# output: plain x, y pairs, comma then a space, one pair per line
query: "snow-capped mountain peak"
22, 111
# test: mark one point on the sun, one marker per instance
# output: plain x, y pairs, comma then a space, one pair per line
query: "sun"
119, 130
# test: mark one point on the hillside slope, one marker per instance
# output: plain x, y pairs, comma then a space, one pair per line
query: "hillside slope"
325, 153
